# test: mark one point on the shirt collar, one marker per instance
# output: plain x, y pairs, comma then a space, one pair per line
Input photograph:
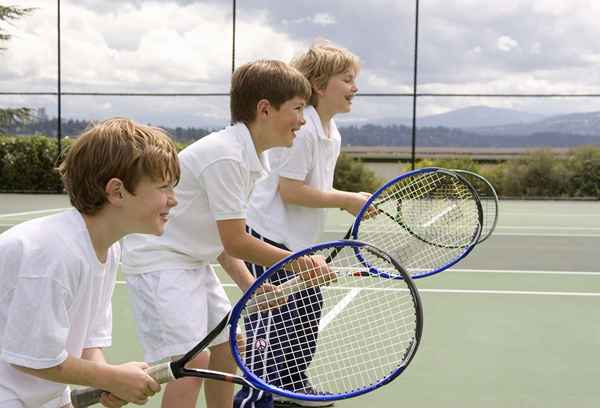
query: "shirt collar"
256, 162
312, 115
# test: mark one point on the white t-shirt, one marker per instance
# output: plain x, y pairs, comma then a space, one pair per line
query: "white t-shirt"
311, 159
218, 173
54, 301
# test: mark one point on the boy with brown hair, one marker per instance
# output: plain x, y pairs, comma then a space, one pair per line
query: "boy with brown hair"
57, 273
176, 296
288, 209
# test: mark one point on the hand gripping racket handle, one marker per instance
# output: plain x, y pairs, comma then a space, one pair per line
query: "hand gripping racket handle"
85, 397
285, 289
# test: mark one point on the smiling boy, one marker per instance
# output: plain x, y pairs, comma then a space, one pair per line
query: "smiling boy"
57, 273
287, 209
176, 296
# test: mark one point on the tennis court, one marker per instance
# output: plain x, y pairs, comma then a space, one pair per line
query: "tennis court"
516, 324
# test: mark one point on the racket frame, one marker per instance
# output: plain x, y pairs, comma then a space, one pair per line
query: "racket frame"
493, 195
354, 231
236, 315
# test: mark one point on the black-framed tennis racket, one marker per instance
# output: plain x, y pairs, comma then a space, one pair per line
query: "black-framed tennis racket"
489, 201
369, 327
428, 219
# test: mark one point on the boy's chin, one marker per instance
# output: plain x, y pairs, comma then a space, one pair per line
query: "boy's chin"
154, 230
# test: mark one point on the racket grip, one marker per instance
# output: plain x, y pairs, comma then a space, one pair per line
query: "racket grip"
85, 397
286, 289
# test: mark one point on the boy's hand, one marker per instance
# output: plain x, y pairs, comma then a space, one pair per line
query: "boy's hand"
315, 271
269, 297
355, 201
131, 383
110, 401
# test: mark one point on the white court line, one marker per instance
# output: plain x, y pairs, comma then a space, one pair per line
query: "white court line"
511, 292
33, 212
338, 308
514, 234
534, 234
547, 228
469, 291
517, 271
438, 216
543, 214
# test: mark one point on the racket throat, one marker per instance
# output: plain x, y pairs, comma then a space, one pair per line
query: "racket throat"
214, 375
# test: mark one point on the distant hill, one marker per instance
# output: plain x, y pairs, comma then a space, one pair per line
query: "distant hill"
574, 123
478, 116
464, 118
520, 129
453, 129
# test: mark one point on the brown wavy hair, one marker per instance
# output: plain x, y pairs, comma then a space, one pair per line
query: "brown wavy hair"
116, 148
272, 80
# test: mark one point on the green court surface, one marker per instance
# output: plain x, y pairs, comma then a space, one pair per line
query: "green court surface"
515, 324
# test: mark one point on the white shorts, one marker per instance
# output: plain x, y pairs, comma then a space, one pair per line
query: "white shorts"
175, 309
62, 401
15, 403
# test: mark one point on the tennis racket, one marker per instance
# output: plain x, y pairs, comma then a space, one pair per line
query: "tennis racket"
489, 201
428, 219
369, 327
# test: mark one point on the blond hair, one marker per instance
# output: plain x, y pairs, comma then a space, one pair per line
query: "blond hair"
322, 61
116, 148
272, 80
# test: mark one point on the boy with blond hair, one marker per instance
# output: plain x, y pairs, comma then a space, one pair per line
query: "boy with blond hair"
288, 208
57, 273
177, 298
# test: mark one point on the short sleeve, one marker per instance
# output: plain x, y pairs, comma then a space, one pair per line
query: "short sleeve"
225, 186
100, 330
37, 323
297, 160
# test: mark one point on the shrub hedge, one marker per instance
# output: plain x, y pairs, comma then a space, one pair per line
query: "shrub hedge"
27, 165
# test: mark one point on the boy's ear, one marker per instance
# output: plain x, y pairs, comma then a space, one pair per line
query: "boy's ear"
263, 108
319, 90
115, 191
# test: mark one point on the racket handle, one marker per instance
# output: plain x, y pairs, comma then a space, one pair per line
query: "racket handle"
286, 289
85, 397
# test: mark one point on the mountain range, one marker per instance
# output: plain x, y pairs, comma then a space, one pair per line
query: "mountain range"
482, 126
476, 126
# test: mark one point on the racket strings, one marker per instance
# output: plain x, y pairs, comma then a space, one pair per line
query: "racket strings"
425, 221
337, 338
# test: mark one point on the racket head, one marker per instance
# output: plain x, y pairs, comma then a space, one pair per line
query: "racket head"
369, 326
489, 201
429, 219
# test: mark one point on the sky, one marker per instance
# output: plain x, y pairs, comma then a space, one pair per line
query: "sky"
465, 46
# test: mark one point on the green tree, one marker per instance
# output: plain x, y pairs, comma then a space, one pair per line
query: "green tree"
352, 175
12, 116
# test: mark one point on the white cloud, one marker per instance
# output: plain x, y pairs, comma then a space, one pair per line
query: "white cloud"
505, 43
323, 19
185, 46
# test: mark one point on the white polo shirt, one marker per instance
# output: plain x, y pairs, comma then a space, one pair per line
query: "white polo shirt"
311, 159
218, 173
54, 301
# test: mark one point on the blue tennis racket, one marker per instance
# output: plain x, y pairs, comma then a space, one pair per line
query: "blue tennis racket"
369, 322
428, 219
